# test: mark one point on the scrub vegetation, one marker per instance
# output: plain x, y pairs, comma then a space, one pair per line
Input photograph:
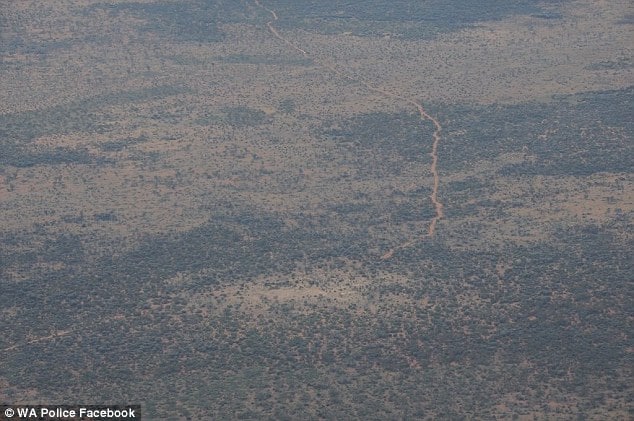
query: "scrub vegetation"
193, 213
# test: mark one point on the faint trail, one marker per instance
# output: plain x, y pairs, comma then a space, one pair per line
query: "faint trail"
424, 115
274, 31
43, 338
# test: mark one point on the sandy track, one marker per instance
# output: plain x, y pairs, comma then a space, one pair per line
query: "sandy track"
424, 115
40, 339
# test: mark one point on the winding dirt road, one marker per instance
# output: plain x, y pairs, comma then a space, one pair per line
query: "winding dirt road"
424, 115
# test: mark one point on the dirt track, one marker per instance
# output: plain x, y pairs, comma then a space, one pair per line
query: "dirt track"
424, 115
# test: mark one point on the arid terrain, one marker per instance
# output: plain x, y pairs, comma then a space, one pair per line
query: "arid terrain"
284, 209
